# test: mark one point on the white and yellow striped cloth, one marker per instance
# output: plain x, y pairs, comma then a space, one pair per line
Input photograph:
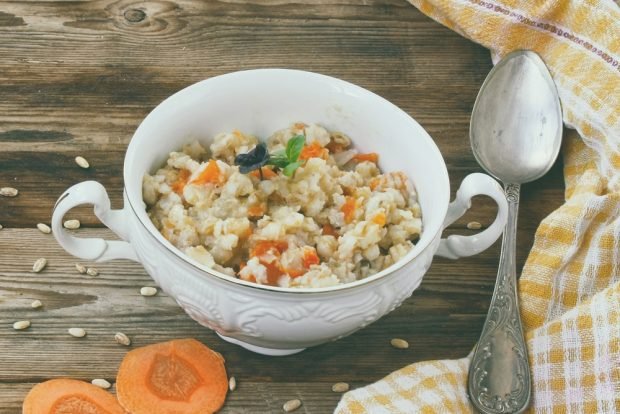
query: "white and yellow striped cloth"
569, 289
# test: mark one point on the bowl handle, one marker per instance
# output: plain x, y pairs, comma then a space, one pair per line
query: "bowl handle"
474, 184
91, 192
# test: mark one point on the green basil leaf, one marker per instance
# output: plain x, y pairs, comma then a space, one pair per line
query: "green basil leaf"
280, 162
290, 169
294, 147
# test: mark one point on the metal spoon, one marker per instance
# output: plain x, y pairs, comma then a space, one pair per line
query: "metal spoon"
515, 133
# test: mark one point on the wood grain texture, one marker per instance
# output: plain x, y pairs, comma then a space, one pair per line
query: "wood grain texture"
77, 77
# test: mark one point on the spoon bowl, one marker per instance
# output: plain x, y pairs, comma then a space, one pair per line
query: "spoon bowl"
516, 123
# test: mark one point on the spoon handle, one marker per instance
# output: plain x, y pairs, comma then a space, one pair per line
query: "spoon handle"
499, 374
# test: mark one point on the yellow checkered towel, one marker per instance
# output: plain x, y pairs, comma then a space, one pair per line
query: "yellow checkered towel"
570, 285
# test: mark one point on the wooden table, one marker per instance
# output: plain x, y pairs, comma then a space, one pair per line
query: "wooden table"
77, 77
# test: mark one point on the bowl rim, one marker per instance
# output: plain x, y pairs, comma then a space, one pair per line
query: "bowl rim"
383, 274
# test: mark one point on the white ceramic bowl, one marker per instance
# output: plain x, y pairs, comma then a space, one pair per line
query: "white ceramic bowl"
265, 319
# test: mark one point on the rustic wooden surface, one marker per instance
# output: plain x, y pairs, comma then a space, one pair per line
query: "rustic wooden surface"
76, 77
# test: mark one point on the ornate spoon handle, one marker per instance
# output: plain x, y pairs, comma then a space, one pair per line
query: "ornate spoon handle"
499, 374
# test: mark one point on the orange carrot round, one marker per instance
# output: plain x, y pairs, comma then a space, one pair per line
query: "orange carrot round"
180, 376
69, 396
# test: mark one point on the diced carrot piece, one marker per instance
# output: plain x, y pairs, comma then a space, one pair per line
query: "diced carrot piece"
268, 173
271, 246
348, 208
314, 150
310, 257
210, 175
179, 376
274, 271
181, 181
379, 219
371, 156
69, 396
295, 272
328, 230
257, 210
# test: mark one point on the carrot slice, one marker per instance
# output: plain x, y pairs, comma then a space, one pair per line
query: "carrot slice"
69, 396
274, 271
348, 208
210, 175
371, 156
270, 246
295, 272
257, 210
314, 150
268, 173
179, 376
310, 257
266, 251
181, 181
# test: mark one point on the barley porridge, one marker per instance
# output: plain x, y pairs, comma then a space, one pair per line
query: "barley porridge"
303, 209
